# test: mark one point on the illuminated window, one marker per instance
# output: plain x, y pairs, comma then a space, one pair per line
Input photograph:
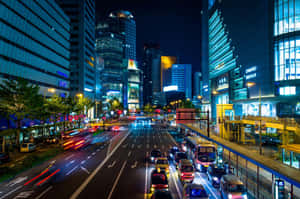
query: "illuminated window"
288, 90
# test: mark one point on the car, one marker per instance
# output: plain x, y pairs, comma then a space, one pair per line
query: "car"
172, 152
4, 157
158, 181
214, 174
194, 191
27, 147
161, 194
232, 187
179, 156
162, 163
155, 153
186, 171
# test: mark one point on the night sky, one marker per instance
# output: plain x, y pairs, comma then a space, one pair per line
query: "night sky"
174, 24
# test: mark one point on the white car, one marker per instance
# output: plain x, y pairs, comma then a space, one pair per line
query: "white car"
27, 147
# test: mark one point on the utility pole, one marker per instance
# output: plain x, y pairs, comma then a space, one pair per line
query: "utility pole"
260, 118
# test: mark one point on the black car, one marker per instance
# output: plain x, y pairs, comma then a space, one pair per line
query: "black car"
179, 156
4, 157
172, 152
214, 174
161, 194
155, 153
159, 180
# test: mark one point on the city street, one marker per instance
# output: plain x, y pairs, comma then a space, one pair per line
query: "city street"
92, 172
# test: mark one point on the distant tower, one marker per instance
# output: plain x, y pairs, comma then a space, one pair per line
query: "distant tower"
151, 68
182, 77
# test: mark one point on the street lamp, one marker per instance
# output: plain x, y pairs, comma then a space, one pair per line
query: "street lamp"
249, 85
80, 95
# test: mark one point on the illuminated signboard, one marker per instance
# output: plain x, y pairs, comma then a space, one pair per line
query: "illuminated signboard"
62, 74
62, 84
250, 73
170, 88
133, 93
132, 64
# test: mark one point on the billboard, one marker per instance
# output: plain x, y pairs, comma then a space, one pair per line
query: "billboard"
133, 93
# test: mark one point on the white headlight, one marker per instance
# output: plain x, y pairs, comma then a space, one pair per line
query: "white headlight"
229, 196
215, 178
245, 196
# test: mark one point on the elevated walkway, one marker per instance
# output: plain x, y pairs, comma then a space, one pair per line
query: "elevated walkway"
278, 169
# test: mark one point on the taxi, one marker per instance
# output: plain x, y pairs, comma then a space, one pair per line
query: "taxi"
163, 164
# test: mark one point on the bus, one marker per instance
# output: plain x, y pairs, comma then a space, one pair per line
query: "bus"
203, 153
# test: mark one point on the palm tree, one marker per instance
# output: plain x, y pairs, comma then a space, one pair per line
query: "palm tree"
19, 99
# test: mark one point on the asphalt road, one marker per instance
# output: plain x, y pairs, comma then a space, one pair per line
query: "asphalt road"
102, 171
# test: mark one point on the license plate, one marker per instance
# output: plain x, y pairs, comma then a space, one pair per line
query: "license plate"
205, 165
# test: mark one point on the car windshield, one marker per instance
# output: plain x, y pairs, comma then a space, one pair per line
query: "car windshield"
236, 188
187, 169
198, 193
162, 162
181, 156
155, 153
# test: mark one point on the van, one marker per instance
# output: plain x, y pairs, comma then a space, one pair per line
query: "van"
27, 147
186, 171
232, 187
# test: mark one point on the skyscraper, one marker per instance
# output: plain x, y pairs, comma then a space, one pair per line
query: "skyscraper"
122, 22
182, 78
286, 47
82, 15
151, 68
34, 44
109, 46
166, 70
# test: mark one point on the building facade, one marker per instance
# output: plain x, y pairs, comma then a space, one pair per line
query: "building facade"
122, 22
34, 44
166, 70
109, 46
151, 72
182, 78
82, 57
286, 48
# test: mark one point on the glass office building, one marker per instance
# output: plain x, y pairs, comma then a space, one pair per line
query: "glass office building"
287, 54
34, 44
182, 78
82, 40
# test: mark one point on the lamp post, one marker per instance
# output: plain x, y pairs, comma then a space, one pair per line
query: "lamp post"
249, 85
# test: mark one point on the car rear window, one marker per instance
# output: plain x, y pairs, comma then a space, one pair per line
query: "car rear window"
156, 153
187, 168
181, 156
162, 162
198, 193
159, 179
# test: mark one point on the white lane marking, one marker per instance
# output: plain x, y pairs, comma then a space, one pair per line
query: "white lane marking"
129, 153
112, 164
72, 170
89, 157
69, 163
204, 182
174, 180
67, 158
82, 162
134, 165
94, 153
98, 150
4, 196
147, 146
155, 146
139, 146
116, 181
84, 169
146, 180
124, 146
17, 181
24, 194
87, 181
44, 192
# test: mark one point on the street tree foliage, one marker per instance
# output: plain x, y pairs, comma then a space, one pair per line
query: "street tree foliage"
115, 104
186, 104
148, 108
19, 100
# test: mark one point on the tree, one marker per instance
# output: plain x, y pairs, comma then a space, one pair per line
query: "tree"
115, 105
19, 99
186, 104
148, 108
55, 107
82, 105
